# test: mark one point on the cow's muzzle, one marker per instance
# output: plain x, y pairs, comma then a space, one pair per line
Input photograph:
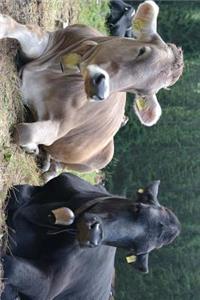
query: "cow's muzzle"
99, 87
90, 232
97, 83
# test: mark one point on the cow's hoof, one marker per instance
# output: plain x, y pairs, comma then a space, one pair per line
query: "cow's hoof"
31, 149
43, 160
47, 176
45, 166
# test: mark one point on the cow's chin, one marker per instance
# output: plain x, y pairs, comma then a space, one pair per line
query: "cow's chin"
90, 232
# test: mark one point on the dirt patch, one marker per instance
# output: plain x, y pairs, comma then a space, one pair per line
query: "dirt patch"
15, 166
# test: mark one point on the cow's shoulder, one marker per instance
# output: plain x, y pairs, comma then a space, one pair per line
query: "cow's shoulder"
72, 183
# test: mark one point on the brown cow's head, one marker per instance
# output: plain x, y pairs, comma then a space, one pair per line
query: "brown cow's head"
139, 227
142, 65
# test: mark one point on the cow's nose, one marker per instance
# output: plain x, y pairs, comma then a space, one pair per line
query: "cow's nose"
90, 233
99, 85
95, 234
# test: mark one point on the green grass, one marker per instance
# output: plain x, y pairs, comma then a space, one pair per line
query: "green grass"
93, 13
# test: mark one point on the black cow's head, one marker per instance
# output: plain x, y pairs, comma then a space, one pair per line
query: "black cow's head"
139, 227
119, 20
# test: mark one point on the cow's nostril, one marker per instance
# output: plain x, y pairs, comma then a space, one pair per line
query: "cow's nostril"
98, 79
91, 222
95, 225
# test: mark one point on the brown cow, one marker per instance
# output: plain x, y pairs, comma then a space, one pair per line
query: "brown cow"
72, 70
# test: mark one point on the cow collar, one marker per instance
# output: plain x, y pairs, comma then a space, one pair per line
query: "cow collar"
61, 215
45, 217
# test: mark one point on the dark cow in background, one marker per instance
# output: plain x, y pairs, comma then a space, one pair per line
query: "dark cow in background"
69, 74
120, 19
63, 238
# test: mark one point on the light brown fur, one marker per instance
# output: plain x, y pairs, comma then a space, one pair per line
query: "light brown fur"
72, 129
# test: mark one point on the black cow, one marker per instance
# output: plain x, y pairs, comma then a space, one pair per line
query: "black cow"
63, 237
119, 20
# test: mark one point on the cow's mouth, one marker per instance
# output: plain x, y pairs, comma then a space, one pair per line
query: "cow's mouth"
90, 232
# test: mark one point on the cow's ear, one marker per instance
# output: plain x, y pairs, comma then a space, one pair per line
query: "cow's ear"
63, 216
145, 21
147, 109
139, 262
149, 195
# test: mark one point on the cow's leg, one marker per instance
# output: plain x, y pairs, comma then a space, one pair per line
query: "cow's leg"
52, 171
25, 277
30, 135
43, 160
32, 38
97, 162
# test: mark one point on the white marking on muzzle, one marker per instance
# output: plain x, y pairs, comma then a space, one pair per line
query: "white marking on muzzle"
94, 70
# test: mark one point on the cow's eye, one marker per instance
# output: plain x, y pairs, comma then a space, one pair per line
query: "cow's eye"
141, 51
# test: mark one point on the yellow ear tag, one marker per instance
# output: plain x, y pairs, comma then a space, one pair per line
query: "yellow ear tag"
140, 191
141, 103
71, 60
138, 24
131, 259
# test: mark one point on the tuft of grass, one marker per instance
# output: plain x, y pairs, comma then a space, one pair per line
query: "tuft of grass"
66, 11
92, 177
